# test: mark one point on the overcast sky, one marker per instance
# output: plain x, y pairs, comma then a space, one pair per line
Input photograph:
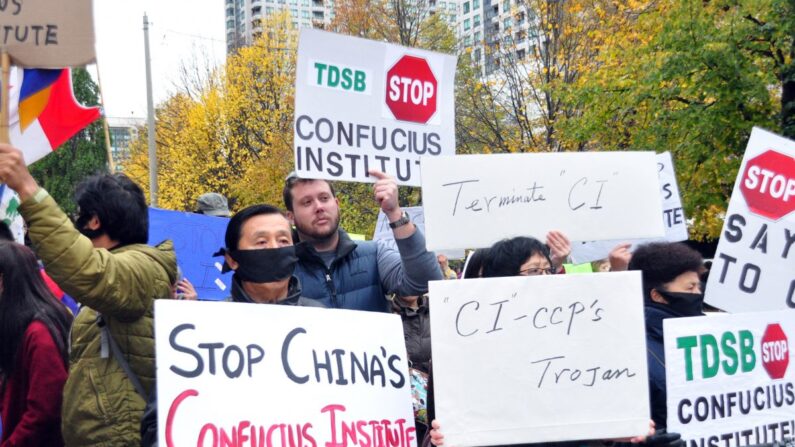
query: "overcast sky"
180, 30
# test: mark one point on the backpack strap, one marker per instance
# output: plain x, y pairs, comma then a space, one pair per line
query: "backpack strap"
107, 342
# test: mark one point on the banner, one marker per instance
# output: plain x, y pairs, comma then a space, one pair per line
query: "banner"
673, 216
9, 213
45, 34
265, 374
728, 378
384, 233
362, 104
537, 359
754, 265
473, 201
196, 237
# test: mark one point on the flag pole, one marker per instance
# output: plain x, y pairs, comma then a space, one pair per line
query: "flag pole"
4, 100
111, 164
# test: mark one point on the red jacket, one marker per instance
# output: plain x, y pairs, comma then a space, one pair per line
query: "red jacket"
32, 395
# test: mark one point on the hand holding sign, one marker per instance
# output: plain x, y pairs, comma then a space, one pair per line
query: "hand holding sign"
14, 172
386, 194
559, 247
619, 257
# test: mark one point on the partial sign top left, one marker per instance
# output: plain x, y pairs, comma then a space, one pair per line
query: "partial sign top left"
48, 33
361, 105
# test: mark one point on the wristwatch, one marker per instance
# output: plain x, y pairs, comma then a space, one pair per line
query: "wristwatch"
404, 219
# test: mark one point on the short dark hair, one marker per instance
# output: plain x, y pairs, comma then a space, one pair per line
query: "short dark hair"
235, 226
289, 184
119, 204
475, 263
5, 232
505, 258
662, 262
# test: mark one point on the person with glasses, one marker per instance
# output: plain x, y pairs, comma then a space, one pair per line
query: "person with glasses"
526, 256
357, 275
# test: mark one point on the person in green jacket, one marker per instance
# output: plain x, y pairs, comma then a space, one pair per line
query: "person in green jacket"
104, 263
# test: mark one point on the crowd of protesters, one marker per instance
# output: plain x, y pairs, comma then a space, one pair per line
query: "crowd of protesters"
84, 376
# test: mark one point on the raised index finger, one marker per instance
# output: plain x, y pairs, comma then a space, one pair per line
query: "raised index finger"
377, 174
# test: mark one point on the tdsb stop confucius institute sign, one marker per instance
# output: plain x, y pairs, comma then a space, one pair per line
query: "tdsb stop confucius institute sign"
754, 266
362, 105
729, 380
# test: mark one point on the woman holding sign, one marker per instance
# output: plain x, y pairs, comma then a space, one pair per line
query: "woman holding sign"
34, 327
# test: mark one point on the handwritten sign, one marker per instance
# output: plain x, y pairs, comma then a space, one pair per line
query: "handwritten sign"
362, 104
280, 375
729, 378
46, 34
473, 201
754, 265
673, 216
417, 215
196, 237
536, 359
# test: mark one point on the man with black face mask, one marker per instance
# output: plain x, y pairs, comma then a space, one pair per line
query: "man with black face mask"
259, 248
671, 289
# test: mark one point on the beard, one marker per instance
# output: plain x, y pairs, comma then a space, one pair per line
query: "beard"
315, 235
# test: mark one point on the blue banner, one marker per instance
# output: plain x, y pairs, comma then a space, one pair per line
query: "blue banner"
196, 237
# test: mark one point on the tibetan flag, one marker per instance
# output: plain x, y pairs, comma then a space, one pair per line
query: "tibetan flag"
43, 111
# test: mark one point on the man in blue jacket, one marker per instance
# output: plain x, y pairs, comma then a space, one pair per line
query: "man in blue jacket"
347, 274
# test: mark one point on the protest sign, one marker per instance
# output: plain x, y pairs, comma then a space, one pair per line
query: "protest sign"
9, 213
537, 359
728, 378
266, 374
673, 218
754, 265
362, 104
47, 34
196, 237
472, 201
417, 216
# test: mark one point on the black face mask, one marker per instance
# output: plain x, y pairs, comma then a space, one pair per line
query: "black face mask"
263, 265
684, 304
81, 223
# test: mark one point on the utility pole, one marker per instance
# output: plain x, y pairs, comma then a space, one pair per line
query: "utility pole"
150, 120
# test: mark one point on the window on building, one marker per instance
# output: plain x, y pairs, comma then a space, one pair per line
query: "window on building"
467, 24
466, 7
317, 15
304, 14
476, 22
475, 4
506, 6
477, 37
477, 55
268, 10
506, 24
520, 54
467, 40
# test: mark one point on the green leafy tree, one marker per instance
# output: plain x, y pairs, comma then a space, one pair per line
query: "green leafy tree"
83, 155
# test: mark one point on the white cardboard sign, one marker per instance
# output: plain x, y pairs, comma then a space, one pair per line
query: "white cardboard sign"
362, 104
673, 216
729, 378
754, 266
473, 201
537, 359
384, 233
280, 375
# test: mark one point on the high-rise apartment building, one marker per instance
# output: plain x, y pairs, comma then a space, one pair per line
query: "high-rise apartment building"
495, 28
121, 132
244, 17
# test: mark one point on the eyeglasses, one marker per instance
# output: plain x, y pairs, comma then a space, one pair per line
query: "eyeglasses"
537, 271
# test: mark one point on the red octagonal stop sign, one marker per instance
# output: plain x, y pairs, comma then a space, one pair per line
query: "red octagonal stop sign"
768, 184
411, 90
775, 351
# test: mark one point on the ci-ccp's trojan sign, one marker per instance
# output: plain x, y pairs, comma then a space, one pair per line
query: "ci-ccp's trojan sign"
730, 378
754, 266
361, 105
267, 374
